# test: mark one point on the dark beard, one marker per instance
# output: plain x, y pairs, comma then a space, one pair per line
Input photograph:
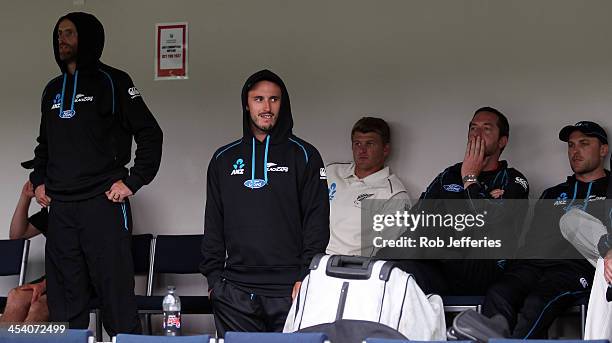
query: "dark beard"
266, 130
68, 57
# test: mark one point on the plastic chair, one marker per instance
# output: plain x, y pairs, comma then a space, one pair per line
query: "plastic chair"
387, 340
548, 341
70, 336
274, 337
141, 255
460, 303
580, 306
125, 338
174, 254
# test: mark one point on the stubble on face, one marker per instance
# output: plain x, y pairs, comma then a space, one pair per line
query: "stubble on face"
264, 101
67, 41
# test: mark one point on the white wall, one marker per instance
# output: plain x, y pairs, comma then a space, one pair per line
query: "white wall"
424, 65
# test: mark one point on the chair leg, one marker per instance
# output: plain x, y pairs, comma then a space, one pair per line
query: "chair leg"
99, 325
583, 312
149, 325
146, 324
143, 322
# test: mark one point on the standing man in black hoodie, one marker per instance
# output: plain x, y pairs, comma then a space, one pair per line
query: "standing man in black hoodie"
532, 292
89, 115
267, 213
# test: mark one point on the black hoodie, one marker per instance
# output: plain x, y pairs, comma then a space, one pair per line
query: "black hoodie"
609, 201
544, 239
267, 207
88, 121
504, 218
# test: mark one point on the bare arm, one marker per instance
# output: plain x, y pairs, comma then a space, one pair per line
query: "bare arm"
20, 227
608, 267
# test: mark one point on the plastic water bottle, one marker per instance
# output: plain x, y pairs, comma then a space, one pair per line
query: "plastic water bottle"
172, 313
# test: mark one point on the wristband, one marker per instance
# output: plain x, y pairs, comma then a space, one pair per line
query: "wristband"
470, 178
604, 245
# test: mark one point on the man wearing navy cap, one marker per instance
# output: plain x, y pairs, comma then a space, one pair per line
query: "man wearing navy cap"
533, 291
591, 236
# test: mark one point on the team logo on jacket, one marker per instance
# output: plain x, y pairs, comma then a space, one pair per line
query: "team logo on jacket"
238, 167
521, 182
56, 101
133, 92
83, 98
584, 283
362, 197
254, 184
322, 174
332, 191
273, 167
453, 187
561, 199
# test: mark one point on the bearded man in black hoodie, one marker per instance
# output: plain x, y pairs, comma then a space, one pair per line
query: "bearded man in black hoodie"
267, 213
89, 115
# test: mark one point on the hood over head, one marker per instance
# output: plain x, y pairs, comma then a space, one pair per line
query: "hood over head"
282, 130
90, 37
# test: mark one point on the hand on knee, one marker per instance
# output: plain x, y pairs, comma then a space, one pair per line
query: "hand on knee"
39, 312
19, 298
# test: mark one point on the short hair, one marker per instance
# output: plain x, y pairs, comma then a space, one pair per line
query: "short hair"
372, 124
502, 121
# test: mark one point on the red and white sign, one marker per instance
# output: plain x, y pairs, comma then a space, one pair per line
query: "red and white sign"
171, 51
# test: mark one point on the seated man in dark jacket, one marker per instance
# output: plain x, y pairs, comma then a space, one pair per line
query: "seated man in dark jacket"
480, 184
551, 273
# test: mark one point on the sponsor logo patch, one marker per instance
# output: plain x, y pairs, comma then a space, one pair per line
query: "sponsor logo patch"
238, 167
584, 283
83, 98
133, 92
67, 114
56, 101
521, 182
273, 167
561, 199
453, 187
254, 184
